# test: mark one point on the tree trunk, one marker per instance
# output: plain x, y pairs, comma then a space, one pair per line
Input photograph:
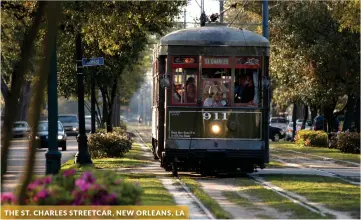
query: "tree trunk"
53, 14
24, 102
328, 113
17, 80
358, 114
116, 112
305, 116
105, 110
349, 113
5, 90
294, 119
313, 113
110, 107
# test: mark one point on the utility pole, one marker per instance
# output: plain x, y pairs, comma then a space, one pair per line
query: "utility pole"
92, 105
185, 18
82, 156
221, 10
265, 19
53, 156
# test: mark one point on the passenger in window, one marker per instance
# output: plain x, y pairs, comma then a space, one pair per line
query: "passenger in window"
238, 89
248, 90
214, 98
191, 90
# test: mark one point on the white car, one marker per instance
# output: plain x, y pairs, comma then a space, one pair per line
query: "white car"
289, 129
21, 129
279, 122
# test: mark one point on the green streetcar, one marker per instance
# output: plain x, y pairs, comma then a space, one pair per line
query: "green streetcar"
211, 100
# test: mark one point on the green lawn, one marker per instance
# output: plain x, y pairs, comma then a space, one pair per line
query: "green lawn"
332, 192
134, 158
276, 164
319, 151
207, 201
154, 191
270, 199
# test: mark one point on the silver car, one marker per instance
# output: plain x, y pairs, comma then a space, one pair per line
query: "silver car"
279, 122
20, 129
70, 123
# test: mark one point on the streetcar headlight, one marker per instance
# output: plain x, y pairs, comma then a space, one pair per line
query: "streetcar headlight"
216, 129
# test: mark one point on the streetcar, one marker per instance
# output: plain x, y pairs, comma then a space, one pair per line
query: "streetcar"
211, 100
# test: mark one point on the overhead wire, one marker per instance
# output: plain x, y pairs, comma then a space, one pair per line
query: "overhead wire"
241, 10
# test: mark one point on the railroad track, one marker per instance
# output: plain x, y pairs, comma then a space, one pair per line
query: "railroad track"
327, 173
181, 193
184, 196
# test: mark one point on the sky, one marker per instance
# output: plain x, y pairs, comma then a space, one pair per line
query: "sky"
193, 10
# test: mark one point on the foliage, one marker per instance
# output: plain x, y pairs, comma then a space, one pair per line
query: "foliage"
121, 130
91, 188
311, 138
348, 142
112, 144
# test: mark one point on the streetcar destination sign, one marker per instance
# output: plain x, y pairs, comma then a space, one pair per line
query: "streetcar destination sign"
216, 61
98, 61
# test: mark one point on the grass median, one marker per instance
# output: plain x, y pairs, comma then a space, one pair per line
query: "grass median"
270, 199
154, 191
318, 151
134, 158
206, 200
334, 193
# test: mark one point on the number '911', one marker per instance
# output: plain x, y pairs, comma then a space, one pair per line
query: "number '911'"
216, 116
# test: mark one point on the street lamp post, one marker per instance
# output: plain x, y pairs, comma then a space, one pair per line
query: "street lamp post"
83, 156
53, 156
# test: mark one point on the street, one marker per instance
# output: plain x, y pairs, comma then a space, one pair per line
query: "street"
17, 160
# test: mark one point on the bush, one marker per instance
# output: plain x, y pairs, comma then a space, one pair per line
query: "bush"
311, 138
111, 144
118, 130
348, 142
90, 188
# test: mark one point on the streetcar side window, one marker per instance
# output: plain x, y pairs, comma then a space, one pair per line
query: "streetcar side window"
184, 86
246, 87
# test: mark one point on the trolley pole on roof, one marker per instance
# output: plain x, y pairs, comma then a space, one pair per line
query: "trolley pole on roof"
220, 11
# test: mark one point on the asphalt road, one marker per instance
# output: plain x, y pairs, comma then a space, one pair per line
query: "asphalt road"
17, 160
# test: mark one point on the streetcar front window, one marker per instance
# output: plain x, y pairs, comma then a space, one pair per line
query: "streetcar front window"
216, 87
184, 87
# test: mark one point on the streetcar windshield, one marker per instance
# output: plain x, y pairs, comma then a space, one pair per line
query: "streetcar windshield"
216, 87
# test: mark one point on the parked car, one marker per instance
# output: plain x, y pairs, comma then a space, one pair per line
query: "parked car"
21, 129
43, 132
289, 130
279, 122
70, 123
275, 133
88, 124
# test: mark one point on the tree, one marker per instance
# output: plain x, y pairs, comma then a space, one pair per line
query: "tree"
304, 69
116, 31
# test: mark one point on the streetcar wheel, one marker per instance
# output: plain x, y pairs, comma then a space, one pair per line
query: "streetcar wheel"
174, 169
